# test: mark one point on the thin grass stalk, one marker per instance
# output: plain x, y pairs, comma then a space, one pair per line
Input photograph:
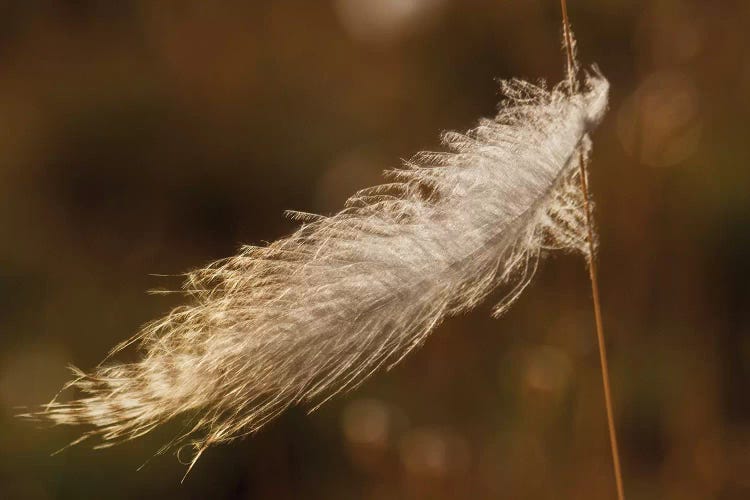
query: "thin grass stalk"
593, 274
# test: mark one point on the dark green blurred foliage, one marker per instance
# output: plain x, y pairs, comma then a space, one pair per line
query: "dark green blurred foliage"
153, 137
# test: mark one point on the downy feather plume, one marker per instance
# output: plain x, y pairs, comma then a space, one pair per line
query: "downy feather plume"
315, 313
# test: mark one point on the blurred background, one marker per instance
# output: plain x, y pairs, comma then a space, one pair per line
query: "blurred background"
142, 137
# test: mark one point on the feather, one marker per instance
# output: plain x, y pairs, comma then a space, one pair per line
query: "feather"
314, 314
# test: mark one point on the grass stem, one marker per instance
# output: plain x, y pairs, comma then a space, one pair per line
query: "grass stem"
593, 276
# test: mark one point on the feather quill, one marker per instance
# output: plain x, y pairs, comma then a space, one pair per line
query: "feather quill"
315, 313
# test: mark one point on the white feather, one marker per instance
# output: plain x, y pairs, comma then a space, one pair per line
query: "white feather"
315, 313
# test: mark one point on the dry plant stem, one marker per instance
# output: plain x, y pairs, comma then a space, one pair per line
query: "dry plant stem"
600, 338
594, 280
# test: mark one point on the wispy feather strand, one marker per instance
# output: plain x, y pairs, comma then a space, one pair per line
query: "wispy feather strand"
315, 313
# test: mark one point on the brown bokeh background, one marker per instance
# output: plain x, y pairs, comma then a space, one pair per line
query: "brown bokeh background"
141, 137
